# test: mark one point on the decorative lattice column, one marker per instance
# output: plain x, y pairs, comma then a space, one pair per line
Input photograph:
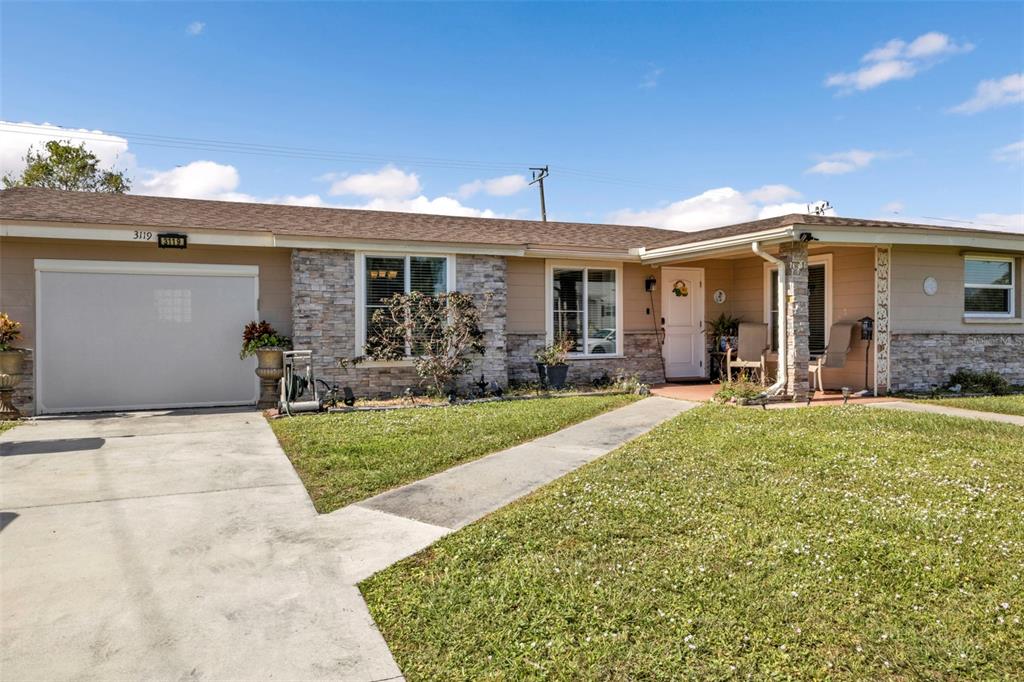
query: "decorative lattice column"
883, 266
798, 323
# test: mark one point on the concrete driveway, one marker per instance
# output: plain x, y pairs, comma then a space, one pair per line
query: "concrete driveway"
181, 545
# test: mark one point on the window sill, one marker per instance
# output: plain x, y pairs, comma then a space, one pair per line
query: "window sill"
985, 319
382, 364
596, 356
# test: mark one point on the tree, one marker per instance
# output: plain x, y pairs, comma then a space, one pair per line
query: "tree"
439, 332
65, 166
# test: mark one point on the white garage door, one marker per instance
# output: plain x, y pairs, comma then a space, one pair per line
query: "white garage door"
114, 335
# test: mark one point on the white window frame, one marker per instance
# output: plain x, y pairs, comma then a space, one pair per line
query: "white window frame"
771, 271
549, 302
1011, 287
360, 291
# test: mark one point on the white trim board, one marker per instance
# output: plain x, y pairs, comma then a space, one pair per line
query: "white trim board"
145, 268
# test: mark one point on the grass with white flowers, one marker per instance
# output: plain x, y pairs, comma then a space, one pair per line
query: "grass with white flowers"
1004, 404
832, 542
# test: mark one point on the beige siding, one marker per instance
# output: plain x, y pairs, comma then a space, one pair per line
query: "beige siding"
526, 289
525, 296
914, 311
17, 272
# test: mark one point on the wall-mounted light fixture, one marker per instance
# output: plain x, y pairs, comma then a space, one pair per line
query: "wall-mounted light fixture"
650, 284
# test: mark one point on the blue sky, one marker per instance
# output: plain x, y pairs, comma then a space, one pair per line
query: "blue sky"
682, 115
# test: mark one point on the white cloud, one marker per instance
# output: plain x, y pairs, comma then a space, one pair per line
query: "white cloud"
504, 186
16, 138
715, 207
897, 60
388, 182
893, 207
195, 28
196, 180
1009, 222
1012, 153
423, 204
770, 193
650, 79
993, 93
844, 162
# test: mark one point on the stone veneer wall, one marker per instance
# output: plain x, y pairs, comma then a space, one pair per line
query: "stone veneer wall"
642, 356
25, 392
920, 362
323, 310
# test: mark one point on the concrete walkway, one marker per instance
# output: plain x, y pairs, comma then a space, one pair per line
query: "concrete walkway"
914, 406
463, 494
173, 545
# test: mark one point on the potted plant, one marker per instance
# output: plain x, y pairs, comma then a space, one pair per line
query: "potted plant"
551, 365
722, 331
11, 362
268, 345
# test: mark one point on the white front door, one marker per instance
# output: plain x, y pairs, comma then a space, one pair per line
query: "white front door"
682, 311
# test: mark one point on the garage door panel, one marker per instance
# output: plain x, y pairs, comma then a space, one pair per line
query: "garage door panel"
133, 340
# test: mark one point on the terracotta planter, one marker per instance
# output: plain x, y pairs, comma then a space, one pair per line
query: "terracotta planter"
270, 369
11, 363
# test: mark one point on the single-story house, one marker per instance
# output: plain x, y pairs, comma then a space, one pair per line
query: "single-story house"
138, 302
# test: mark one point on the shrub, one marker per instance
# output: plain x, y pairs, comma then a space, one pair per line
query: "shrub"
557, 352
738, 389
438, 332
630, 383
971, 381
261, 334
10, 331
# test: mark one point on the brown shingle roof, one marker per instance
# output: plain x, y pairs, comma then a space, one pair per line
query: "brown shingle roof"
162, 212
44, 205
679, 238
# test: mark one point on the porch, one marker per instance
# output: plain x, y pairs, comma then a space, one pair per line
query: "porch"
821, 285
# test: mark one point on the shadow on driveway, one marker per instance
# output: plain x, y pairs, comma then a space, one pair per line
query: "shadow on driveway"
50, 447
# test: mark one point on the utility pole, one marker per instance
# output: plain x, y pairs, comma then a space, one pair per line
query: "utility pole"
538, 178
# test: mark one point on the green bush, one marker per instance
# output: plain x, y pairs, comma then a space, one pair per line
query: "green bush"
971, 381
739, 389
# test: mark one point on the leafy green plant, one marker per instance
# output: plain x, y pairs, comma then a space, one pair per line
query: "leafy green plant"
557, 352
630, 383
438, 333
738, 389
722, 327
262, 334
971, 381
10, 331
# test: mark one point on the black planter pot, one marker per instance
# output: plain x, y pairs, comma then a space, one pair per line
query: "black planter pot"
557, 374
542, 374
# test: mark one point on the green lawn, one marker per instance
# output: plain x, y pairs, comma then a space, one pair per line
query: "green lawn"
1004, 404
346, 457
5, 425
833, 542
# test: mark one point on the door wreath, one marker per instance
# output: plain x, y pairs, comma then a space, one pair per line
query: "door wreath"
679, 288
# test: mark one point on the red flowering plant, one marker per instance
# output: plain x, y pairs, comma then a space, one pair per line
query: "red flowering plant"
259, 335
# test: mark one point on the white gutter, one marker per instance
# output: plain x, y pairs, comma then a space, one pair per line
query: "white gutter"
780, 323
666, 253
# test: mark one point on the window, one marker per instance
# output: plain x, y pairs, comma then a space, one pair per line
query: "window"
381, 277
988, 286
819, 302
585, 306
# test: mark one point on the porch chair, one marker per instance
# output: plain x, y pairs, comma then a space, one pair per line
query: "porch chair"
752, 352
840, 335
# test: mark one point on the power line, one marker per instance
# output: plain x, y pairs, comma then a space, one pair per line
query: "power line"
280, 151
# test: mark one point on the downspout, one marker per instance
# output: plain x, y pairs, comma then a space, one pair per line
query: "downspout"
780, 324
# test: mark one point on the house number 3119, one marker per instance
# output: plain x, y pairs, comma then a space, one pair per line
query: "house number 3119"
141, 234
